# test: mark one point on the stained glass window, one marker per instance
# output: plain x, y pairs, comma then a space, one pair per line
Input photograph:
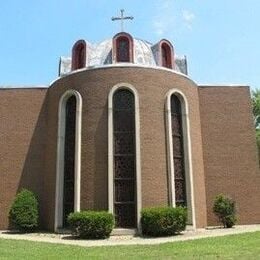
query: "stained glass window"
178, 152
69, 158
124, 159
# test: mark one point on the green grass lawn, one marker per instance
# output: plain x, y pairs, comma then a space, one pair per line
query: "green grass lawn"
245, 246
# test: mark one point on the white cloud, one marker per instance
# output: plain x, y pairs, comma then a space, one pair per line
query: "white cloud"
165, 4
188, 18
160, 27
169, 17
164, 20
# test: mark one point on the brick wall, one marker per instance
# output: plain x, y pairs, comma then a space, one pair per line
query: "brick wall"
152, 86
22, 142
229, 150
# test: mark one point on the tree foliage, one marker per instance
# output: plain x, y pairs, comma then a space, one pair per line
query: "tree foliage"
256, 107
256, 113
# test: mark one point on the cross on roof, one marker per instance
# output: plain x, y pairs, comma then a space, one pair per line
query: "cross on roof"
122, 18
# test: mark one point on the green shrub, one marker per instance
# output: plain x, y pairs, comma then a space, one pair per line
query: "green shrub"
163, 221
91, 224
225, 210
24, 214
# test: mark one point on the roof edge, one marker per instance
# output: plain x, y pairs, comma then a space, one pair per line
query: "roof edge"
223, 85
24, 87
123, 65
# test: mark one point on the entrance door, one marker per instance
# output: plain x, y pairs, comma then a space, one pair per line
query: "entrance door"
124, 159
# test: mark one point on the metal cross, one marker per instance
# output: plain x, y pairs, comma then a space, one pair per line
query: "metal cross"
122, 18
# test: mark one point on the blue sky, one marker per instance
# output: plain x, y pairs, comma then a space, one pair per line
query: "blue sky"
220, 38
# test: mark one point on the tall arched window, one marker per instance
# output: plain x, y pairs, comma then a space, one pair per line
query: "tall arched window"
68, 157
167, 55
124, 159
124, 170
179, 153
123, 48
79, 55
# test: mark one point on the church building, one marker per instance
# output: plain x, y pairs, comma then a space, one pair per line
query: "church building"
124, 128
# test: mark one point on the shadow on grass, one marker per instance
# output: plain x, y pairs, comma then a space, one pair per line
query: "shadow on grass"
72, 237
164, 236
18, 232
68, 236
13, 232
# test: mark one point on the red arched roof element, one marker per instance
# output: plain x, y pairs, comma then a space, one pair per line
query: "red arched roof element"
166, 54
123, 48
79, 52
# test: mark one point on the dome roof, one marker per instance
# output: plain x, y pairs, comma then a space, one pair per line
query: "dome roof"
101, 54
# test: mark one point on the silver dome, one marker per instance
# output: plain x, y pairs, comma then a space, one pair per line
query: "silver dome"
101, 54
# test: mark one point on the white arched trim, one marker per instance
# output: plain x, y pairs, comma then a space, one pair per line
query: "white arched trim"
187, 153
60, 156
111, 150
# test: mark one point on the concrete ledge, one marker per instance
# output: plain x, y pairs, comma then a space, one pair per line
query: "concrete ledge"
63, 231
124, 232
129, 240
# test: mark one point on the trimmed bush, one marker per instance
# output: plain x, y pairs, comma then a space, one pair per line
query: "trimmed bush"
163, 221
91, 224
24, 214
225, 210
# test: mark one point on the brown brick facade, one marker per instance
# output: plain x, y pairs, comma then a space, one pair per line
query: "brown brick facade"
22, 142
29, 141
229, 150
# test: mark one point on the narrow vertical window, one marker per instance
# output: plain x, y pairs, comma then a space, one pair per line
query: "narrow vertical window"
79, 55
68, 166
69, 159
124, 158
178, 152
